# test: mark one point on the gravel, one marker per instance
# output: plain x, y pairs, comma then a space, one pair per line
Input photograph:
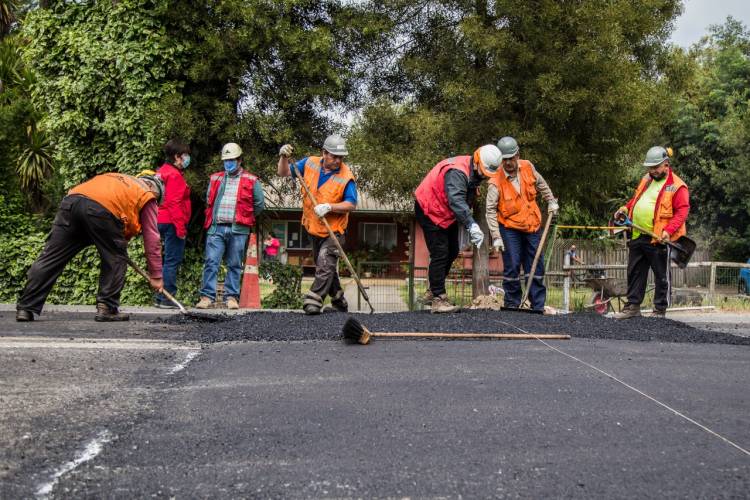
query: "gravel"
289, 326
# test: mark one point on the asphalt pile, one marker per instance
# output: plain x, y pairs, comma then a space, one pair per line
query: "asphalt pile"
288, 326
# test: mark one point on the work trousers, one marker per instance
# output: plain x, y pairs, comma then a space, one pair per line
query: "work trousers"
223, 243
174, 250
442, 243
520, 248
326, 256
79, 222
642, 256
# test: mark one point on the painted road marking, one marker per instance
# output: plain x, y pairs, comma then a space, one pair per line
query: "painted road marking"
181, 366
91, 450
84, 343
647, 396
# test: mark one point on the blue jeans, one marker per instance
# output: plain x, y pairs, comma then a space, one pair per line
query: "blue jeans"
223, 244
519, 251
174, 251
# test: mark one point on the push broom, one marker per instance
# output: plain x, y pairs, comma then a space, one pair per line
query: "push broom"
356, 333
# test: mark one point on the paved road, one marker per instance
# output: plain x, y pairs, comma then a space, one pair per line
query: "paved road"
149, 415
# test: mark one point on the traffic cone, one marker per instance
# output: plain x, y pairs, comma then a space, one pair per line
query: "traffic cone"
250, 292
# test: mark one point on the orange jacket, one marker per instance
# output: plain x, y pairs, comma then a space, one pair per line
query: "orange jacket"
664, 210
518, 210
430, 193
123, 195
332, 191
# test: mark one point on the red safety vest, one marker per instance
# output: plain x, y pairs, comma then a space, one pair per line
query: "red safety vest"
430, 193
243, 211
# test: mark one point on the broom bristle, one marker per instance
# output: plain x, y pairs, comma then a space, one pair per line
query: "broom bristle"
352, 331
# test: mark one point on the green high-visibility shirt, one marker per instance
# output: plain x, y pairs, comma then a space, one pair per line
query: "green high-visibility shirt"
643, 211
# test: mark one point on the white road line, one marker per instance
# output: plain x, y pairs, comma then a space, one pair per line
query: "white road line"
91, 450
664, 405
95, 343
181, 366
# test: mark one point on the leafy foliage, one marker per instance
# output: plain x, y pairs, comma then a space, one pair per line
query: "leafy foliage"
710, 131
288, 280
577, 84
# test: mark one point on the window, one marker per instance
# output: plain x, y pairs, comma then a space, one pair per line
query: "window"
378, 235
296, 236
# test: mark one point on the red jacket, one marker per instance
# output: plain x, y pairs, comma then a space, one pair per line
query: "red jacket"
175, 208
430, 193
244, 210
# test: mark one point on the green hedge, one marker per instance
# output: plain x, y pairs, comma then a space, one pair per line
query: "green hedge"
79, 282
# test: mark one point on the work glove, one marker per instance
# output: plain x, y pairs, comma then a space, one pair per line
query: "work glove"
322, 209
286, 150
476, 235
553, 207
498, 245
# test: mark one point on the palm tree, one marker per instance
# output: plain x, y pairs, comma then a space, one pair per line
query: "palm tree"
8, 9
35, 163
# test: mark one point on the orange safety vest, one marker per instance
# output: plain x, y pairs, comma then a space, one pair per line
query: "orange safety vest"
518, 210
332, 191
663, 210
123, 195
430, 193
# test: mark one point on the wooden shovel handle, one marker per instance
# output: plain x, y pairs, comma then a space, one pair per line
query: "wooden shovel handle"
509, 336
166, 293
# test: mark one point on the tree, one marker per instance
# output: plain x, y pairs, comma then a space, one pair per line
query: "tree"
576, 83
710, 132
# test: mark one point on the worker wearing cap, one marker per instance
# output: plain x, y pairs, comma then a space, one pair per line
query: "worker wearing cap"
106, 211
443, 204
515, 220
174, 215
333, 185
233, 202
661, 204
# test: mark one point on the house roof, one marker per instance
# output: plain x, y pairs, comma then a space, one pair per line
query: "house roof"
283, 194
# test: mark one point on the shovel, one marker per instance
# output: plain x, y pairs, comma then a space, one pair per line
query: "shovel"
532, 272
193, 315
683, 247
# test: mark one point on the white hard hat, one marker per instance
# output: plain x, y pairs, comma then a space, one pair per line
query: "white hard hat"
487, 159
336, 145
230, 151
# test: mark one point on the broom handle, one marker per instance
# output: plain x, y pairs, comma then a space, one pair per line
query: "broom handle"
166, 293
539, 250
335, 240
473, 335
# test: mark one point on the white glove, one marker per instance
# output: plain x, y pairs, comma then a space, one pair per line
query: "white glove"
286, 150
498, 245
476, 235
552, 206
322, 209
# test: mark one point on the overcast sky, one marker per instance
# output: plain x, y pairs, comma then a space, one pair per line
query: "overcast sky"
699, 14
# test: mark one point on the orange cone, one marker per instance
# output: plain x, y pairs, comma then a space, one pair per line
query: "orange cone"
250, 292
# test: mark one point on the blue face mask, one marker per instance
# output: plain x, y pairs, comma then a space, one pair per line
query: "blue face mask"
186, 160
230, 165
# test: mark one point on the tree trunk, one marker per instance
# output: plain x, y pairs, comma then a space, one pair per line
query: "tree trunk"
480, 276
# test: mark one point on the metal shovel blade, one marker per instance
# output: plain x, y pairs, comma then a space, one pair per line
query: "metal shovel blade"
682, 251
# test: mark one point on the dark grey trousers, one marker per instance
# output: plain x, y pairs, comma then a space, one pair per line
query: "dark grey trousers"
326, 257
79, 222
642, 256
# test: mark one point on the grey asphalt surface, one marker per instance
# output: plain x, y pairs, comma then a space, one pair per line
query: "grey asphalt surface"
320, 419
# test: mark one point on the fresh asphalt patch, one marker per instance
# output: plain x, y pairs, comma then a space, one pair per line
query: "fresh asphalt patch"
290, 326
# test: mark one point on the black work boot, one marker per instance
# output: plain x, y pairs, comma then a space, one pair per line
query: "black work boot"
339, 303
629, 311
22, 315
659, 313
106, 313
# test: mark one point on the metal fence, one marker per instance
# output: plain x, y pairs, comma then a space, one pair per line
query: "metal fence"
395, 286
